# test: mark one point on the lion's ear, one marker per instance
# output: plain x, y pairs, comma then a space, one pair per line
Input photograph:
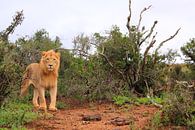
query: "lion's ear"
58, 54
43, 53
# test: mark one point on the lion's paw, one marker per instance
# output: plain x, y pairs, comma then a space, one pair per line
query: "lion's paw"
53, 109
42, 108
36, 107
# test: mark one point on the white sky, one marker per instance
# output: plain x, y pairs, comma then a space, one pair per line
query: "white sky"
68, 18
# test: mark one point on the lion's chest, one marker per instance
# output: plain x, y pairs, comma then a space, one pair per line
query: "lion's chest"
49, 81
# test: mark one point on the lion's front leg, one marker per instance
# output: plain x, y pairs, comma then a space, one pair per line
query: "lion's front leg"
53, 94
41, 91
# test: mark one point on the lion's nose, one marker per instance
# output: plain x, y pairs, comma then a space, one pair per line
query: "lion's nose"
50, 66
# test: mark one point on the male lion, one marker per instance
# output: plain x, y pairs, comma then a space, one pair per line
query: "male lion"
43, 76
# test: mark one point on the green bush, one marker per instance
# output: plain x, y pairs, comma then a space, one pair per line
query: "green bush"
61, 105
15, 114
156, 120
143, 100
191, 124
178, 108
121, 100
9, 72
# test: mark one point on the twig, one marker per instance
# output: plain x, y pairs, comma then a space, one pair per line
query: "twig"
166, 40
149, 34
129, 17
147, 50
140, 16
161, 44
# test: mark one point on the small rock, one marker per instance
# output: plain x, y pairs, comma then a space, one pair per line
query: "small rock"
95, 117
118, 121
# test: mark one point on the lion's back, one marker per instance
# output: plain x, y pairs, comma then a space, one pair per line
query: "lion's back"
34, 68
33, 72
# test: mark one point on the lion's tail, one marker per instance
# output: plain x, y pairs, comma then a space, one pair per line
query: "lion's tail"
25, 82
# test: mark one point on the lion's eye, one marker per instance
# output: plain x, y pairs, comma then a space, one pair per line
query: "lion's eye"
54, 59
47, 59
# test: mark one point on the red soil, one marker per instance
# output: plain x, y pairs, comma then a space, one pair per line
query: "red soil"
71, 118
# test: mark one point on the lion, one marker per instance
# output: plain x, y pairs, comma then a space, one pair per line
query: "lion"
42, 76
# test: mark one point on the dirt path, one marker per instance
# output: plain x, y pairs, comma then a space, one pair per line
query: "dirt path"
71, 119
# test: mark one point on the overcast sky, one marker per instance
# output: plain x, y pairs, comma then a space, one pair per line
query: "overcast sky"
68, 18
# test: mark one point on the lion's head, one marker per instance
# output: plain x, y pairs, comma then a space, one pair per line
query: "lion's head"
50, 60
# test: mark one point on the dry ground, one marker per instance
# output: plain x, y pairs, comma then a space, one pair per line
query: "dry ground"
71, 118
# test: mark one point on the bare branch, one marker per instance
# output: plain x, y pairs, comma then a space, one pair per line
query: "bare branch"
140, 16
149, 34
147, 50
129, 17
17, 20
171, 37
161, 44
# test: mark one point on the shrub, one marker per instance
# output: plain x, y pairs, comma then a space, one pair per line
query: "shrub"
191, 124
143, 100
9, 72
178, 106
61, 105
15, 114
156, 120
121, 100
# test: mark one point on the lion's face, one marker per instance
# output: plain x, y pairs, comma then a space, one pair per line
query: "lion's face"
50, 60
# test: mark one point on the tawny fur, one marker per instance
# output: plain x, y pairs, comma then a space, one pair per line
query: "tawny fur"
42, 76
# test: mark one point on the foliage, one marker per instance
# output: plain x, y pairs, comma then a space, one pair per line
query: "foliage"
121, 100
156, 120
9, 68
178, 106
30, 48
143, 100
61, 105
81, 45
180, 72
89, 80
15, 114
137, 70
189, 50
191, 124
17, 20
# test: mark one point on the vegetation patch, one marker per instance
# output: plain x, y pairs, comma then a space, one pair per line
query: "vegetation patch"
15, 114
122, 100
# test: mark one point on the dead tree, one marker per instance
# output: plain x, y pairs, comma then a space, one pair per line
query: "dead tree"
17, 20
138, 36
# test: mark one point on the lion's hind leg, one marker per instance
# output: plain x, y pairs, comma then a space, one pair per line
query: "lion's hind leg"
24, 87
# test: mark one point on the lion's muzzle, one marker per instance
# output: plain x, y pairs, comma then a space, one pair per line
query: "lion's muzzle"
50, 67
